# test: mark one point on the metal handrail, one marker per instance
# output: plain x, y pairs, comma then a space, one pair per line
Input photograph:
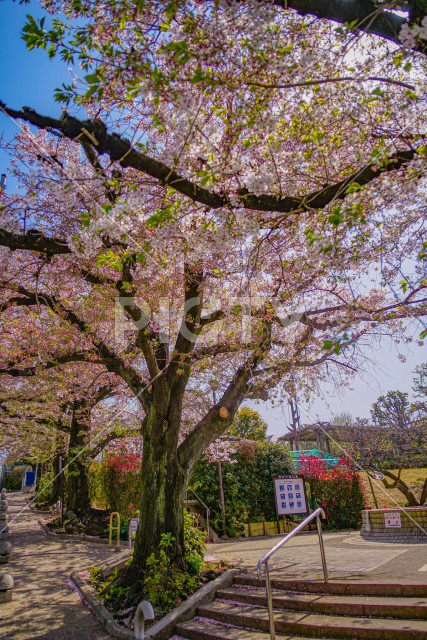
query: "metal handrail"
318, 513
208, 511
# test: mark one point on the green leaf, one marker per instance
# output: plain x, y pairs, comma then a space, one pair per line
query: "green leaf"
354, 187
336, 216
397, 59
180, 51
91, 78
198, 75
404, 285
109, 259
327, 344
352, 24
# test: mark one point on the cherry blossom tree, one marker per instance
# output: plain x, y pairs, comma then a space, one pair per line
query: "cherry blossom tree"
232, 218
67, 413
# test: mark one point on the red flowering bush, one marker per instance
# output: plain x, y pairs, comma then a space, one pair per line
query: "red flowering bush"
119, 476
338, 490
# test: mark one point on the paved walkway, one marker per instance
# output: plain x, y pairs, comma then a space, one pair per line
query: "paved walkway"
44, 606
348, 557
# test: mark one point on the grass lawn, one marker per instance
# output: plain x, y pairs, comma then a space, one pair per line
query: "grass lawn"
414, 478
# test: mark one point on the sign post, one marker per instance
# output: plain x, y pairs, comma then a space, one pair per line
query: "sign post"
133, 526
290, 495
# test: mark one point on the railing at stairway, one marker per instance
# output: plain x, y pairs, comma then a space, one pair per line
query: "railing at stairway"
208, 511
318, 513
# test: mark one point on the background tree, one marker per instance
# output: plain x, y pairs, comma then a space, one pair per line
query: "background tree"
344, 418
393, 412
249, 425
66, 413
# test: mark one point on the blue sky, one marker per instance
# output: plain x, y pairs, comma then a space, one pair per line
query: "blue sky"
27, 78
30, 78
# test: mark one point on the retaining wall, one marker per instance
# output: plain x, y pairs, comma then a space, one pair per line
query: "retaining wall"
383, 525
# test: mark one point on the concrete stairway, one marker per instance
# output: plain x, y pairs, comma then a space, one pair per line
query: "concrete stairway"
312, 609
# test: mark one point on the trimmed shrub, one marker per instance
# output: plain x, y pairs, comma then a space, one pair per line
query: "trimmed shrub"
247, 482
116, 482
339, 491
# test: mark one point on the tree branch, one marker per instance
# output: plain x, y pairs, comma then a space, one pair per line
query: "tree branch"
17, 372
121, 151
367, 15
112, 362
33, 241
220, 416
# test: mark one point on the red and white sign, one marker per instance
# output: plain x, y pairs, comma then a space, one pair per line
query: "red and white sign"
392, 520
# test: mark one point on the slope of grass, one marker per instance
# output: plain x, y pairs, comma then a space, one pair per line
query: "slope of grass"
414, 478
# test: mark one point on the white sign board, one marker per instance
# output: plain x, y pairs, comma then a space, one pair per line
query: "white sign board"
290, 495
392, 519
133, 526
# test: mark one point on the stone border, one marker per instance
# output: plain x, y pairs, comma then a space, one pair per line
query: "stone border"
164, 628
78, 537
82, 537
101, 613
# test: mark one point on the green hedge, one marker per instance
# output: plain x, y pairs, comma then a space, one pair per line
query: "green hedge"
248, 484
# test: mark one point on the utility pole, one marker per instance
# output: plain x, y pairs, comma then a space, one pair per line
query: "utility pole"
221, 487
221, 497
295, 422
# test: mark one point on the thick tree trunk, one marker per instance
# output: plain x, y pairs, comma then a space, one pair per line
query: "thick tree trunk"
164, 483
56, 487
78, 499
162, 509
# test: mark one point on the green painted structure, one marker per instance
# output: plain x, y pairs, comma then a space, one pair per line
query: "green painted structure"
331, 461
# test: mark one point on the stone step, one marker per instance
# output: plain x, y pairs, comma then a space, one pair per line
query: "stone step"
314, 625
338, 587
203, 630
382, 607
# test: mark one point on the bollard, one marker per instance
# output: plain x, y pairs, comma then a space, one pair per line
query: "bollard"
5, 551
115, 528
143, 612
6, 587
4, 532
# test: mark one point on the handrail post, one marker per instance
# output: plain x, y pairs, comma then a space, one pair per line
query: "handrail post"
322, 548
269, 602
